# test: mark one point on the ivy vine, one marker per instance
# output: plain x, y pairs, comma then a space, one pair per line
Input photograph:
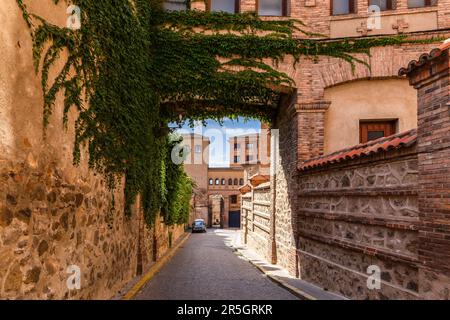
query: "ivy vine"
132, 68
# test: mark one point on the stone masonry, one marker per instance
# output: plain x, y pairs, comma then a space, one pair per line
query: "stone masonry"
255, 218
358, 214
302, 128
53, 215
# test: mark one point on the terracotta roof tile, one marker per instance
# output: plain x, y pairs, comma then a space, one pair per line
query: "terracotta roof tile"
424, 58
257, 179
245, 188
400, 140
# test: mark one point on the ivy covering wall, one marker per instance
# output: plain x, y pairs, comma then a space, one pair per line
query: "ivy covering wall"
132, 68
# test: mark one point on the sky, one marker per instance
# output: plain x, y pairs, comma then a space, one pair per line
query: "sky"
219, 151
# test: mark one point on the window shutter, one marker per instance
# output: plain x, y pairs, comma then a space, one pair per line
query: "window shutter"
237, 6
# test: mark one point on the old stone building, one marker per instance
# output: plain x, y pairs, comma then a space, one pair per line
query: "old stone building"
249, 158
226, 181
339, 200
196, 166
359, 164
211, 182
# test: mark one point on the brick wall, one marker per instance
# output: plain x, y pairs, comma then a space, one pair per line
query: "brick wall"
316, 14
389, 209
285, 185
431, 78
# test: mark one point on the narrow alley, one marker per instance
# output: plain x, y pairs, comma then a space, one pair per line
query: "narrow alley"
205, 268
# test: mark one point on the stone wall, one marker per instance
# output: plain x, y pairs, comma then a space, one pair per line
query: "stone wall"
48, 224
285, 185
357, 214
54, 215
255, 216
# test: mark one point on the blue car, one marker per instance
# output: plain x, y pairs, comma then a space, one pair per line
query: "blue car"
199, 225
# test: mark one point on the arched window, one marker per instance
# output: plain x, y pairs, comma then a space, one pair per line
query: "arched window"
223, 182
217, 182
230, 182
236, 182
211, 181
241, 181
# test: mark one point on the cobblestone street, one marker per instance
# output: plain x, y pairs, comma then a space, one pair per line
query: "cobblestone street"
206, 268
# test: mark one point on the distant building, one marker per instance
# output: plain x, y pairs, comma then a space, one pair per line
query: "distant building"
226, 182
249, 155
196, 166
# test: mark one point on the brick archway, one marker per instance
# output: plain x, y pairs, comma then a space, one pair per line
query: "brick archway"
313, 77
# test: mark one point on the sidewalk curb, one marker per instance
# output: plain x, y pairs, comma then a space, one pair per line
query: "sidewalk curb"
295, 291
154, 269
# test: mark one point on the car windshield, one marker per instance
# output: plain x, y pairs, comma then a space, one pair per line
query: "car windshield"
198, 223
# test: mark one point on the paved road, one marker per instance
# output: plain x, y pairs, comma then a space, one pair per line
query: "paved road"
205, 268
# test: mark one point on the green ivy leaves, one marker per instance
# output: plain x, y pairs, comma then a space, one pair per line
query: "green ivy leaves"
132, 68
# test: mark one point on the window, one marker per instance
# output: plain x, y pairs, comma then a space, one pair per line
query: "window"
223, 182
198, 148
371, 130
229, 6
233, 199
272, 7
343, 7
237, 159
235, 182
241, 181
175, 5
418, 3
249, 146
217, 182
248, 158
211, 182
383, 4
230, 182
237, 146
186, 150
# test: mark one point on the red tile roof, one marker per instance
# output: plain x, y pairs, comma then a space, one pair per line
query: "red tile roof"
245, 188
424, 58
396, 141
257, 179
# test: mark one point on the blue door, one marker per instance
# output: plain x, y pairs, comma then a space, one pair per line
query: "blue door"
234, 219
